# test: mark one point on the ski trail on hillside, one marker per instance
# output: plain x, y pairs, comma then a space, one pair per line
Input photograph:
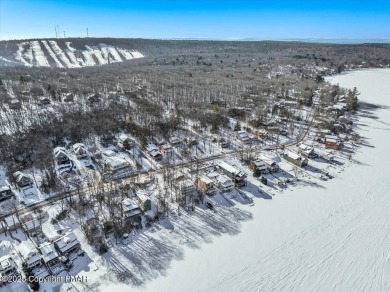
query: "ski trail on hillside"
329, 255
31, 54
24, 55
60, 54
52, 54
40, 59
71, 52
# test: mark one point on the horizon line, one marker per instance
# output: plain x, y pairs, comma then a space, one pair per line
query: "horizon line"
249, 39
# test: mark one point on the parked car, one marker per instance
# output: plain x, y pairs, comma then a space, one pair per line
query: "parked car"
209, 206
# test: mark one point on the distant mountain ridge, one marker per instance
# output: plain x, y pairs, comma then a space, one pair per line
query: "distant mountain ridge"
61, 54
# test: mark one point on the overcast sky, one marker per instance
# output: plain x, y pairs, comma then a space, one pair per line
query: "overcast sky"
201, 19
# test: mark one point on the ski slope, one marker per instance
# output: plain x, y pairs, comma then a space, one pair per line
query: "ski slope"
48, 53
329, 238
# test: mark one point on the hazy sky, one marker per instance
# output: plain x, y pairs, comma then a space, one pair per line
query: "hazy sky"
196, 19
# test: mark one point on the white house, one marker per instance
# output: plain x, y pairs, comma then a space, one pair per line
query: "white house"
29, 254
67, 244
7, 266
224, 183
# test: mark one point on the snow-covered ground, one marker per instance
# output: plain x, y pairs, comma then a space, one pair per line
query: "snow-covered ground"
332, 237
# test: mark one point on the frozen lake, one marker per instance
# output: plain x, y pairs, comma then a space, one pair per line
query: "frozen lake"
334, 238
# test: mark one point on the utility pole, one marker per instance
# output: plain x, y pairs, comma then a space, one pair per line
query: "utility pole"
55, 29
64, 34
87, 31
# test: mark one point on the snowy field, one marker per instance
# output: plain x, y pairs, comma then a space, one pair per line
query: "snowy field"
333, 237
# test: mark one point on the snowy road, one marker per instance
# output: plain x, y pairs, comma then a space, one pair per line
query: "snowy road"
329, 238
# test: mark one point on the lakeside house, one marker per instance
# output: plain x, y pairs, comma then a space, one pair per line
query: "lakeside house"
238, 177
258, 166
224, 183
332, 142
307, 151
206, 184
271, 164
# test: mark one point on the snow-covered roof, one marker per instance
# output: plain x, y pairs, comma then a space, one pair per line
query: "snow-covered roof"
48, 252
130, 207
228, 167
4, 188
67, 242
50, 231
116, 163
19, 176
59, 150
109, 153
293, 155
29, 252
27, 249
6, 263
123, 137
77, 146
129, 204
142, 195
259, 164
12, 220
267, 160
306, 148
224, 180
205, 179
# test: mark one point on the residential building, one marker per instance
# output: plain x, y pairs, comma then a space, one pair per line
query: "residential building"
295, 159
206, 184
224, 183
29, 254
67, 244
144, 202
7, 266
49, 256
130, 208
238, 177
5, 193
22, 180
